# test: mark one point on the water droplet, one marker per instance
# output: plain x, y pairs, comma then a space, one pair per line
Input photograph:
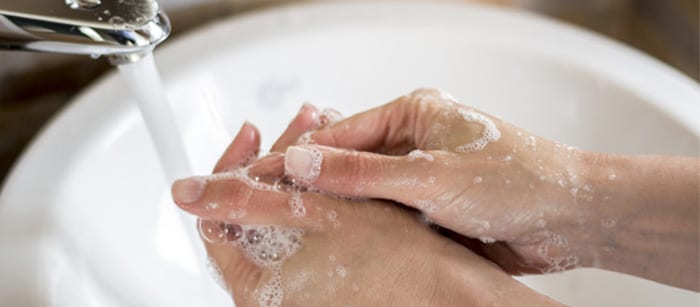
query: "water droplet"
106, 12
233, 232
95, 56
83, 4
211, 231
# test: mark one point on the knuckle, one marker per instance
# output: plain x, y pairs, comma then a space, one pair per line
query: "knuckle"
356, 168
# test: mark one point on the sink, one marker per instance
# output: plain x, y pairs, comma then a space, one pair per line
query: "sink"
85, 216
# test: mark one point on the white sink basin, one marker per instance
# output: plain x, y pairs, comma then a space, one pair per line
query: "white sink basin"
85, 217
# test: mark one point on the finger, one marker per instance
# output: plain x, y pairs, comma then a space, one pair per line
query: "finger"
234, 198
411, 179
307, 119
243, 149
386, 127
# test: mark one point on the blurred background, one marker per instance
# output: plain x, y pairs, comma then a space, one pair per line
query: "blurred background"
33, 86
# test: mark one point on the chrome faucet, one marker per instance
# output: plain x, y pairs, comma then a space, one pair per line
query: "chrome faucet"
122, 30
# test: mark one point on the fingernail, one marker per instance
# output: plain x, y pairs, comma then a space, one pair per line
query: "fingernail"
304, 106
303, 162
313, 115
251, 129
187, 191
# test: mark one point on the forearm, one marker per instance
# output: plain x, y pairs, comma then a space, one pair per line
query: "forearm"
648, 214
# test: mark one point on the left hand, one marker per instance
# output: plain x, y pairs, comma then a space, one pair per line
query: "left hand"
333, 251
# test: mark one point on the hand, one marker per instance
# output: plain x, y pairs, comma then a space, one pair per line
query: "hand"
535, 205
465, 170
278, 246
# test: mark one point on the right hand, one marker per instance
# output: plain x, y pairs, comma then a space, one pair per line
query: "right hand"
367, 253
466, 171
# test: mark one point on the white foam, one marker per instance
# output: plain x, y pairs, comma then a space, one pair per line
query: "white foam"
419, 154
490, 132
425, 205
272, 293
216, 273
296, 204
481, 225
329, 117
487, 240
211, 206
332, 215
556, 263
561, 183
305, 139
269, 246
341, 271
237, 213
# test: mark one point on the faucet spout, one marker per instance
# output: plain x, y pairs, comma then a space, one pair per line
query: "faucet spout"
123, 30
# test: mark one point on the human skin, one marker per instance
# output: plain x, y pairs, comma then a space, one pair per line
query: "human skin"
537, 206
353, 252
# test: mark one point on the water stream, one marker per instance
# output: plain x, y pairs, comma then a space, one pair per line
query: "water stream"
146, 87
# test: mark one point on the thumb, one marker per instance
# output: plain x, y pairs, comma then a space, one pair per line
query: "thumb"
411, 179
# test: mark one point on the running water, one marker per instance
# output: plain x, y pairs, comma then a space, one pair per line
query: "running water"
143, 80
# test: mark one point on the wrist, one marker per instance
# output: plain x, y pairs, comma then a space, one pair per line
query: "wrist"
597, 208
642, 219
